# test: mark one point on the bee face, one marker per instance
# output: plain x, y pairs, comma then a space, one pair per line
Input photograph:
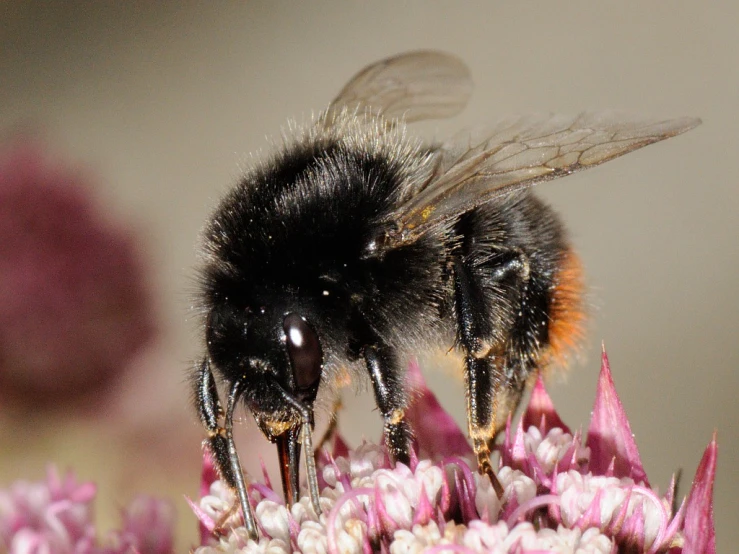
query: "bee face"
356, 245
267, 349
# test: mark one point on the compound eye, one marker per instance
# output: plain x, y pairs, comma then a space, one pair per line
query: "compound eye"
304, 350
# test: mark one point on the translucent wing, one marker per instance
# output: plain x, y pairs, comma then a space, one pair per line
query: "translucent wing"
415, 86
516, 153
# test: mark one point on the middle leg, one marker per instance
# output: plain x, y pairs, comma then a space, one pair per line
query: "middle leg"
388, 384
391, 398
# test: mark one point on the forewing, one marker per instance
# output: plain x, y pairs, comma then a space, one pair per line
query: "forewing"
474, 168
413, 86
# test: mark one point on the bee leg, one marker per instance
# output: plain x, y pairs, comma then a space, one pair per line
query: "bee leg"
333, 426
220, 439
484, 379
391, 398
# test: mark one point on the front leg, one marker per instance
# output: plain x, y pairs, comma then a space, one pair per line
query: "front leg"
220, 439
391, 397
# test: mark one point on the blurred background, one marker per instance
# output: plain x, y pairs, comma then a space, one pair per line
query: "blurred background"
140, 115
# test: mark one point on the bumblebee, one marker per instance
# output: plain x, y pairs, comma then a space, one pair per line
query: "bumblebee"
356, 245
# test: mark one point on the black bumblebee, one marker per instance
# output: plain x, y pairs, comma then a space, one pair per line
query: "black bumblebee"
357, 245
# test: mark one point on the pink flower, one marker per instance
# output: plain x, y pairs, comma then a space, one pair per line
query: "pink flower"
55, 517
50, 516
561, 494
147, 527
74, 306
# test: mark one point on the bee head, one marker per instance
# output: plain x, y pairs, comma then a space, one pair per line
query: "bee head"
275, 354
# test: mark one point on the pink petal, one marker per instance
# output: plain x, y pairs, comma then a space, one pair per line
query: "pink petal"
467, 502
341, 449
676, 524
591, 516
699, 531
205, 522
632, 530
424, 511
331, 519
464, 469
571, 460
555, 511
609, 436
518, 449
85, 492
209, 474
333, 447
536, 472
149, 523
413, 461
445, 500
266, 493
265, 475
387, 523
540, 411
374, 532
437, 433
462, 500
506, 447
529, 506
619, 517
509, 508
367, 545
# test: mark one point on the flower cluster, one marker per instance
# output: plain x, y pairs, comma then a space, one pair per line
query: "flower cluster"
562, 493
74, 303
55, 517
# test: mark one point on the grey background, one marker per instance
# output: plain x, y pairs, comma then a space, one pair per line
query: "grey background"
165, 102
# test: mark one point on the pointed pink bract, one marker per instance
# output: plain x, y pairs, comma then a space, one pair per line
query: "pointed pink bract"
208, 474
437, 433
424, 510
206, 525
698, 529
540, 411
340, 447
610, 439
515, 456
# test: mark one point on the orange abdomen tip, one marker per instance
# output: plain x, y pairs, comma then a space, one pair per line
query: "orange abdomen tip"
566, 312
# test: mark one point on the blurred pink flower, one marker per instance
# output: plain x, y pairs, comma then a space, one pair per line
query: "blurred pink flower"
74, 306
147, 528
561, 494
55, 517
51, 516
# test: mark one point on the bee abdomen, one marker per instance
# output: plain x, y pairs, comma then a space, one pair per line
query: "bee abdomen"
566, 309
